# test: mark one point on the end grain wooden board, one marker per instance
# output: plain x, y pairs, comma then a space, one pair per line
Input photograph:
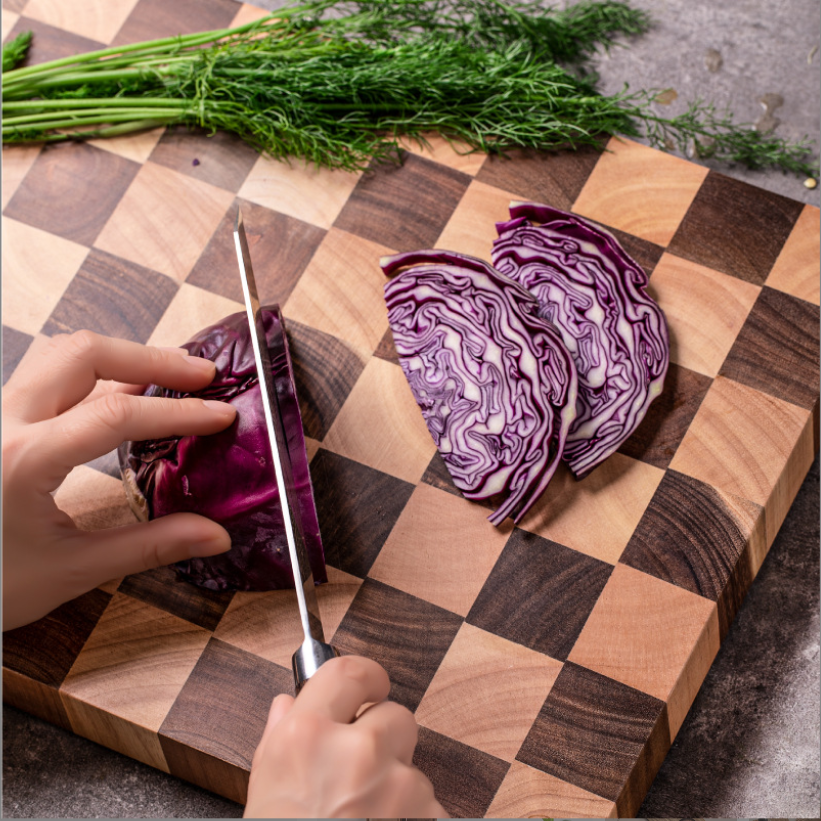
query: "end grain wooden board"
549, 665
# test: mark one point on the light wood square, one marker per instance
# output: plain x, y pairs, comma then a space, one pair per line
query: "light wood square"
37, 268
191, 310
651, 635
9, 18
98, 20
454, 154
463, 700
640, 190
598, 514
441, 549
705, 310
137, 147
164, 220
247, 14
530, 793
135, 662
381, 426
796, 271
94, 500
17, 159
341, 292
298, 189
472, 227
268, 624
749, 444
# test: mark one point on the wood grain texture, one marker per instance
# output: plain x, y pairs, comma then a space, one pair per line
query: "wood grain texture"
41, 700
404, 207
98, 21
777, 349
218, 158
529, 793
113, 297
416, 557
280, 246
452, 153
325, 372
406, 635
567, 739
693, 537
539, 594
639, 190
341, 291
72, 190
17, 160
556, 177
15, 344
50, 42
165, 220
735, 228
462, 702
704, 309
796, 270
357, 508
210, 734
652, 638
380, 425
659, 434
464, 779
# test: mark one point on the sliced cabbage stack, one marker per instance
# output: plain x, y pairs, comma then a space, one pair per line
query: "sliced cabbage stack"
595, 294
228, 476
495, 383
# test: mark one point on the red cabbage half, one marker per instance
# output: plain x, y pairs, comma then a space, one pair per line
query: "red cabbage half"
495, 383
228, 476
594, 293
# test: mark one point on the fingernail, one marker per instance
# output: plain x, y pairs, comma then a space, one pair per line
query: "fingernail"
199, 363
219, 407
181, 351
212, 547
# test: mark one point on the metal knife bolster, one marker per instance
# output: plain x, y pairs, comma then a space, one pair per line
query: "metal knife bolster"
314, 651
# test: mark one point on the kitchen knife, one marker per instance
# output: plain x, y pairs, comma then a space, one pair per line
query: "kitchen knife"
313, 651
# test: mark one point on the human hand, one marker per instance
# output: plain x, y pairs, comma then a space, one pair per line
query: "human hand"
323, 756
57, 415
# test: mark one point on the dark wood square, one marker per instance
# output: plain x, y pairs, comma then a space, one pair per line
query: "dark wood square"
357, 508
777, 349
438, 475
404, 207
406, 635
555, 177
280, 246
152, 19
71, 190
600, 735
221, 159
45, 649
734, 227
646, 253
325, 371
539, 594
464, 779
659, 434
15, 345
14, 5
113, 297
689, 537
50, 43
222, 709
386, 349
164, 589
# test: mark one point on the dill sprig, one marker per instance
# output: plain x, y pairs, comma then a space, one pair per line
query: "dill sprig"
341, 83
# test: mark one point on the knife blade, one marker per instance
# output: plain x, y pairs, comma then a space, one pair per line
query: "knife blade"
314, 651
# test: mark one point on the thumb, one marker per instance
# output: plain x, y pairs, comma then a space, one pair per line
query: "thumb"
109, 554
280, 707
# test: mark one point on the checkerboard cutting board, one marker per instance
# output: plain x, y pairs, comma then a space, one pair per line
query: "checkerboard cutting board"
549, 665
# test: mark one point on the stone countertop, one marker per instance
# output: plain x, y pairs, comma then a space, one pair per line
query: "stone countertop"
750, 744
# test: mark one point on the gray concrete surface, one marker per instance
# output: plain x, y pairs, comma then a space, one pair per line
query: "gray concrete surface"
750, 745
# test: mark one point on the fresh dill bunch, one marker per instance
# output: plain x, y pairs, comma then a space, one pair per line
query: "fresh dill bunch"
15, 51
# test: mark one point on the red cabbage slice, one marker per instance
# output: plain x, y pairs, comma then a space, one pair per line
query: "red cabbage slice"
495, 383
227, 476
595, 294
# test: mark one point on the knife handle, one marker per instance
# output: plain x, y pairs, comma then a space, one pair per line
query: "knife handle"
310, 656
